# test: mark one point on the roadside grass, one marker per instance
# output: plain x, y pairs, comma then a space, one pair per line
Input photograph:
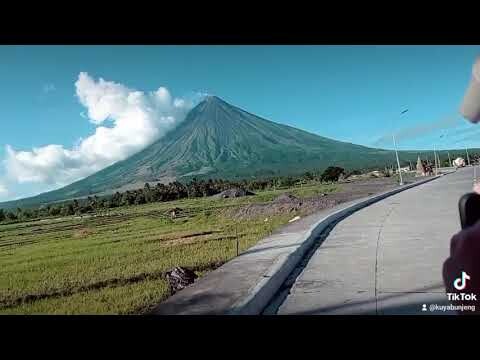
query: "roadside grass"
315, 190
115, 263
125, 300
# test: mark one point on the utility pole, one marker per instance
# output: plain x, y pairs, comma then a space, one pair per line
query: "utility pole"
435, 157
468, 157
398, 161
396, 151
449, 161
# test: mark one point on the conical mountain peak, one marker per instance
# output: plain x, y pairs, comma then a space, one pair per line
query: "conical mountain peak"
212, 98
213, 111
220, 140
213, 101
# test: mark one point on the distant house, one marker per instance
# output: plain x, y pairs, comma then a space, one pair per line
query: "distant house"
459, 162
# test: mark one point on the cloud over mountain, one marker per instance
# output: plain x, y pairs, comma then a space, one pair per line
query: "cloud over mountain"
126, 120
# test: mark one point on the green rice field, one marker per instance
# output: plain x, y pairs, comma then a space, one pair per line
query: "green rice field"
115, 262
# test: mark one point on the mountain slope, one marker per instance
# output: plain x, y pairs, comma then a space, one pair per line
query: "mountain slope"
220, 140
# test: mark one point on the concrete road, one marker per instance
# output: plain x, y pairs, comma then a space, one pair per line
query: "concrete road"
386, 258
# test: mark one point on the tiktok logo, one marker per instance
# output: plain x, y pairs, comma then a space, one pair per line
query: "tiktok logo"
461, 282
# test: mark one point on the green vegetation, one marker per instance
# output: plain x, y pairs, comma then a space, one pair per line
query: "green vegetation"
161, 193
218, 140
113, 261
332, 173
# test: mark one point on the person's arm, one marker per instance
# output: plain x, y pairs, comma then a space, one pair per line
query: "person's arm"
465, 245
464, 256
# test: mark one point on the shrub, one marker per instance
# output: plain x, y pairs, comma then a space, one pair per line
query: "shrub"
67, 210
332, 173
54, 211
10, 216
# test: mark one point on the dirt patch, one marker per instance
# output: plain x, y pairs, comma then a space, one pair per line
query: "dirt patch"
197, 234
82, 233
233, 193
289, 204
286, 197
187, 238
294, 206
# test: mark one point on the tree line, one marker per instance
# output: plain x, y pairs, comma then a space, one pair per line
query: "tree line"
166, 192
192, 189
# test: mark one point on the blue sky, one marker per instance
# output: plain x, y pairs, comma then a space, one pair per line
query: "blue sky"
350, 93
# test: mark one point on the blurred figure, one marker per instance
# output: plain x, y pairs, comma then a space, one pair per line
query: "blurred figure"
464, 257
476, 188
465, 245
470, 108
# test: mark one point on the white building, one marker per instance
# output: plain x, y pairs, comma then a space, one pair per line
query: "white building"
459, 162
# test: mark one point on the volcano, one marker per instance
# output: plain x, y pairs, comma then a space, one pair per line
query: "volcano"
219, 140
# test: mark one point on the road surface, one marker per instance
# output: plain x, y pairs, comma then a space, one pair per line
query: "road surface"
386, 258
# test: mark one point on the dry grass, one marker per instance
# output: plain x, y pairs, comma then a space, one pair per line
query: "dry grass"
82, 233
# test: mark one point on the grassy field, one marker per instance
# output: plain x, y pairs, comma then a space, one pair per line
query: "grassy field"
114, 263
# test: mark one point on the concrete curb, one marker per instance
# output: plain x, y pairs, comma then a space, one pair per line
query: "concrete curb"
261, 294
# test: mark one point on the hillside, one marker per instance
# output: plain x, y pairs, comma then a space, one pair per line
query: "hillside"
219, 140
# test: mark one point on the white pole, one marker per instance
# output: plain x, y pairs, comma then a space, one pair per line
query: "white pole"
398, 161
468, 157
449, 161
435, 157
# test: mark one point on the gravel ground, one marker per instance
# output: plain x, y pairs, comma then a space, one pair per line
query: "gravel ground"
349, 191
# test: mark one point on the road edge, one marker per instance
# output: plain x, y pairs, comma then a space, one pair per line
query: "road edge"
260, 295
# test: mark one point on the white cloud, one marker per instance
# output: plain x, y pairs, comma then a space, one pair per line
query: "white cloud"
126, 121
448, 122
47, 88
